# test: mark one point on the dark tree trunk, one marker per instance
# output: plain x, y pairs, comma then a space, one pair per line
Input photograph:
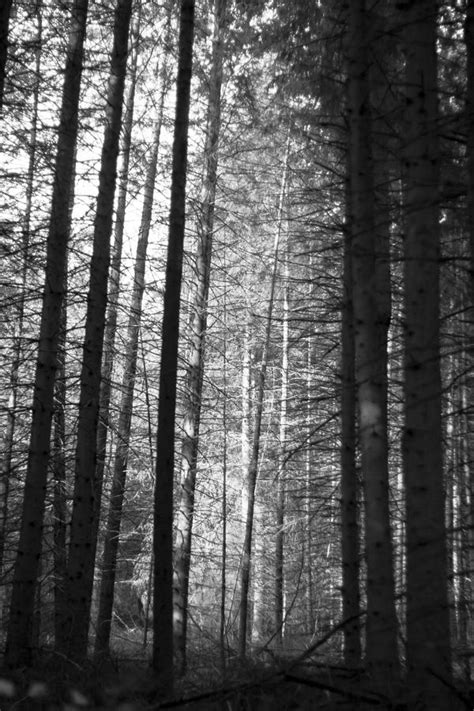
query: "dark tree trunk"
163, 516
115, 262
428, 630
18, 648
9, 432
87, 490
350, 535
5, 11
197, 329
370, 363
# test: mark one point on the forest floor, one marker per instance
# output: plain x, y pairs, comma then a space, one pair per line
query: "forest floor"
130, 686
126, 682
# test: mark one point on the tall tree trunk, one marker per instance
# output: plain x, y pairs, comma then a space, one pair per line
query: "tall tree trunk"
9, 433
5, 11
222, 626
18, 648
350, 537
116, 260
163, 512
87, 491
469, 41
197, 328
381, 624
428, 635
255, 450
58, 464
308, 485
106, 593
281, 498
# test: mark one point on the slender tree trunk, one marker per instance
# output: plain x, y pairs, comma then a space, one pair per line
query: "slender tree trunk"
310, 616
106, 593
87, 492
163, 515
246, 426
18, 648
5, 11
58, 461
115, 263
469, 41
428, 635
381, 625
222, 627
255, 451
350, 539
195, 366
281, 498
149, 418
9, 433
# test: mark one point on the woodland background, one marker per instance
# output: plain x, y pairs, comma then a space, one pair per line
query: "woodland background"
237, 247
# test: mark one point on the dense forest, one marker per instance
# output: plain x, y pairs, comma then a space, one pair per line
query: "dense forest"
237, 303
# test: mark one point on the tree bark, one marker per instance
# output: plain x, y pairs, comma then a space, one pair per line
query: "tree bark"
163, 513
87, 491
370, 356
428, 634
196, 356
18, 648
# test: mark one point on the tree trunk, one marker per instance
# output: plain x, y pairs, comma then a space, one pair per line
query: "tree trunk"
370, 366
222, 626
163, 513
428, 635
4, 27
280, 504
115, 263
255, 450
9, 433
195, 363
87, 492
469, 41
106, 593
350, 537
58, 463
18, 648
